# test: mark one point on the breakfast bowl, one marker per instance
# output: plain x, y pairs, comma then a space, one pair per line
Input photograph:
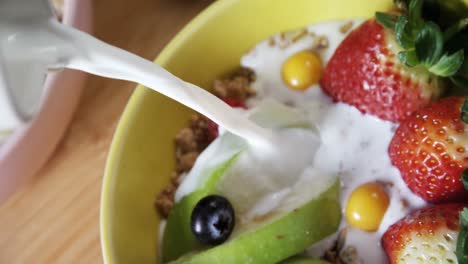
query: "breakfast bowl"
141, 156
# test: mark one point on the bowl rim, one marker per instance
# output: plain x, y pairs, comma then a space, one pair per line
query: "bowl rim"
130, 110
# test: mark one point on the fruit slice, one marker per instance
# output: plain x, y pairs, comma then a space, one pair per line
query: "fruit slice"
280, 237
269, 229
178, 238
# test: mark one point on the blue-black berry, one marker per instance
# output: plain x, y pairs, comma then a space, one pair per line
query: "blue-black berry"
212, 220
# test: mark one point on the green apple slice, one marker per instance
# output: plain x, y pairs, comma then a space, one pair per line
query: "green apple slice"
279, 238
178, 238
293, 224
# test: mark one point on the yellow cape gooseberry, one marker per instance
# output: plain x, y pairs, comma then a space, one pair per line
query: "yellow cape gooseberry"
302, 70
366, 206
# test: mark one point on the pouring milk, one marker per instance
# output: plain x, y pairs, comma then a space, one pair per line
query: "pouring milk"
39, 43
34, 45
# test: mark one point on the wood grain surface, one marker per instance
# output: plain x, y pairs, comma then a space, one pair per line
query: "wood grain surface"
55, 218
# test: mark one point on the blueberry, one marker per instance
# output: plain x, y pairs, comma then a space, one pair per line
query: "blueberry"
212, 220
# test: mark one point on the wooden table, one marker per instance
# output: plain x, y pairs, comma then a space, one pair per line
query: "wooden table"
55, 218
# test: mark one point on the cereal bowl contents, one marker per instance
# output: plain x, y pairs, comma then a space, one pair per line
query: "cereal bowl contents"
336, 184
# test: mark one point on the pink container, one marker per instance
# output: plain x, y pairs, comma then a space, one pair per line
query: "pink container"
25, 151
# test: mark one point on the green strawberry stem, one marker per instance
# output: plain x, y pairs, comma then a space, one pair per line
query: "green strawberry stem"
453, 30
464, 113
462, 242
427, 41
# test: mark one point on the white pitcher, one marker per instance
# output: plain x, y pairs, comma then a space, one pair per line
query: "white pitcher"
26, 54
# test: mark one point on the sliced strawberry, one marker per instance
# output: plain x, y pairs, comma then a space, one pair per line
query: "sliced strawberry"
428, 235
429, 149
365, 72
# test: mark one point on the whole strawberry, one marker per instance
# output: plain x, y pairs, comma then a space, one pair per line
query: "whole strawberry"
392, 66
429, 149
366, 73
427, 235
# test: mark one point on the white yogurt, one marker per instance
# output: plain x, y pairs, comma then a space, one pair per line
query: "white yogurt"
354, 145
262, 181
276, 180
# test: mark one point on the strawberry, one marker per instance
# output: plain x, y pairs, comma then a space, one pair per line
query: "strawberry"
392, 66
429, 149
366, 73
427, 235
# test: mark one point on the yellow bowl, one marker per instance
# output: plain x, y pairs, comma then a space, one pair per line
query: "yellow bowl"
141, 157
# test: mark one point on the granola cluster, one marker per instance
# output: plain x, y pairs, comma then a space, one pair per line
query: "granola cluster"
339, 254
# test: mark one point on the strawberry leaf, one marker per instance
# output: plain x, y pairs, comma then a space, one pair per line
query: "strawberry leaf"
454, 29
465, 177
403, 33
464, 118
462, 242
409, 58
448, 65
386, 20
461, 78
415, 14
449, 11
433, 33
402, 4
429, 44
460, 81
464, 218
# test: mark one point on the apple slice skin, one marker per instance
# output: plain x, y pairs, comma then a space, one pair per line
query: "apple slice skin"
279, 239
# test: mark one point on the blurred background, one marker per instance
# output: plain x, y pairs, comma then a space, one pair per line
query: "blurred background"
54, 218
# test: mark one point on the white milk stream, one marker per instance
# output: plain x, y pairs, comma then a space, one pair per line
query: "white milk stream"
49, 44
